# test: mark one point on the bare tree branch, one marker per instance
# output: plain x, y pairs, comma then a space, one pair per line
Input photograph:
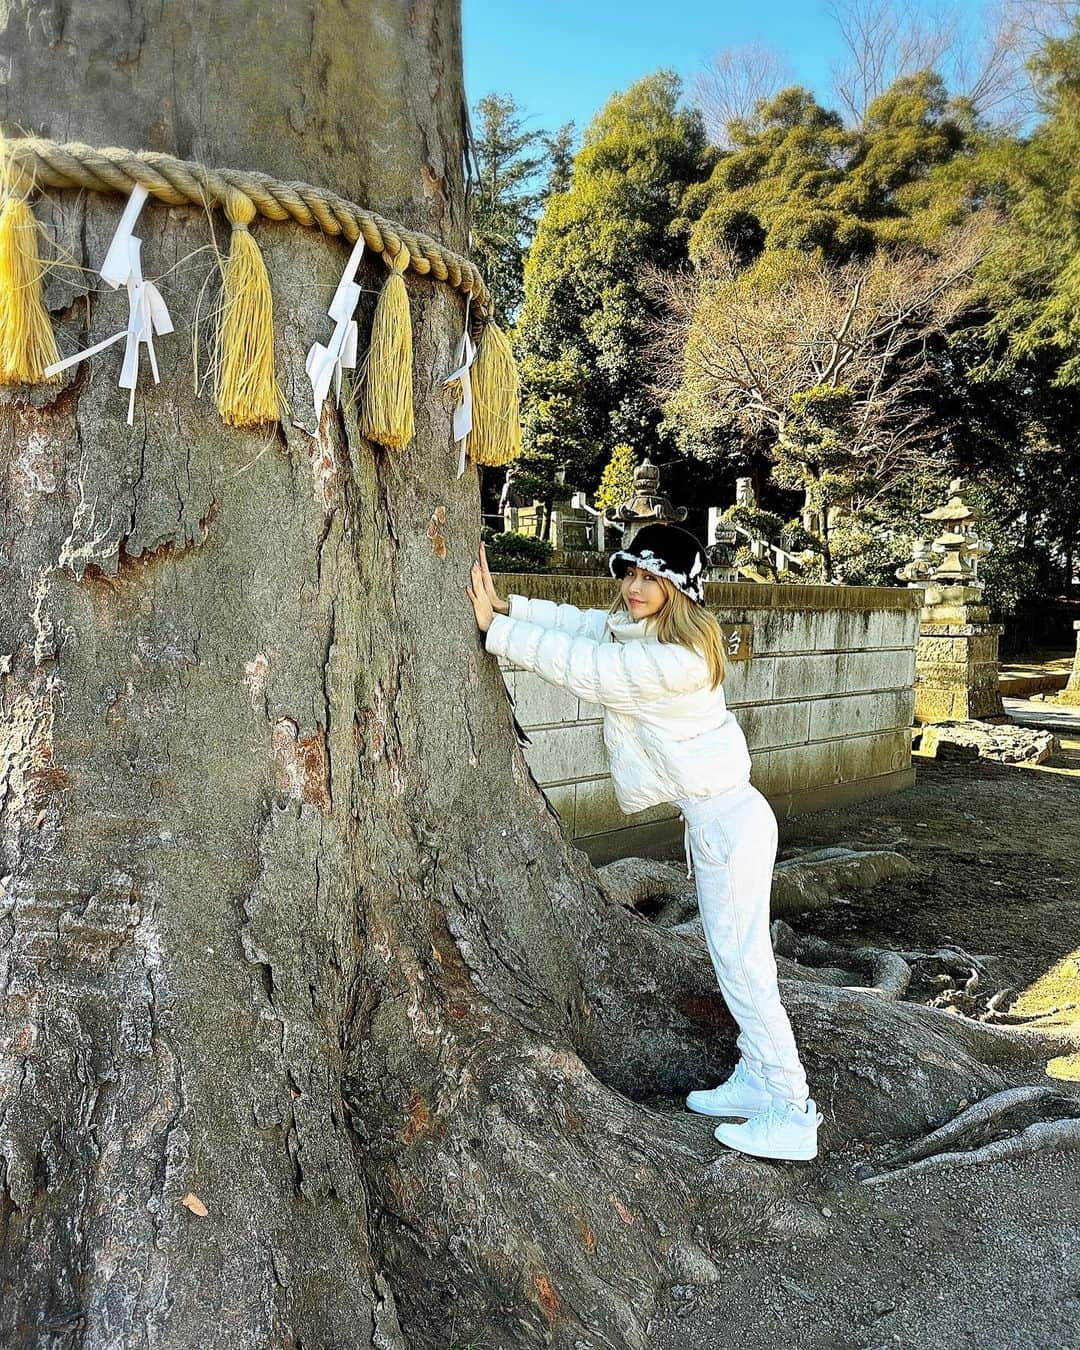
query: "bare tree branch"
733, 349
883, 40
734, 82
981, 52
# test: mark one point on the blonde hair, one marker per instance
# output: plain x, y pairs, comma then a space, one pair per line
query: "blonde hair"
680, 619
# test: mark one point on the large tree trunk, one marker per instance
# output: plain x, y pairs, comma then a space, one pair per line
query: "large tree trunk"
286, 924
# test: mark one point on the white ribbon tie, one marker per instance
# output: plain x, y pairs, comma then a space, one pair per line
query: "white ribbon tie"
463, 413
325, 363
147, 312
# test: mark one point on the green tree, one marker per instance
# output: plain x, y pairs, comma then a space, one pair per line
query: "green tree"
775, 188
560, 152
1034, 272
585, 321
1016, 377
817, 452
510, 160
617, 480
797, 179
1014, 437
893, 182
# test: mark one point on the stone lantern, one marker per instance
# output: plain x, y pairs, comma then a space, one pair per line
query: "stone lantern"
956, 663
646, 507
959, 546
920, 569
1071, 692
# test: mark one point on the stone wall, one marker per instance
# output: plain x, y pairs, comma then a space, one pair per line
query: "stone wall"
957, 672
825, 699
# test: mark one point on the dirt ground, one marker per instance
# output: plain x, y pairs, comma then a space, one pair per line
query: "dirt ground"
985, 1256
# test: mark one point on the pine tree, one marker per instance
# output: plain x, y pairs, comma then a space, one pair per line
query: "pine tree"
617, 480
585, 320
510, 161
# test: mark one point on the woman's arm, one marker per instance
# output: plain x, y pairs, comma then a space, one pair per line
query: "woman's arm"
487, 604
615, 674
548, 614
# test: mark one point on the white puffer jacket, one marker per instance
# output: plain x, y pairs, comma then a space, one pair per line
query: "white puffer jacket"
669, 735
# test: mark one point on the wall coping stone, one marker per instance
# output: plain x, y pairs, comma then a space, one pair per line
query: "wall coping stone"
599, 593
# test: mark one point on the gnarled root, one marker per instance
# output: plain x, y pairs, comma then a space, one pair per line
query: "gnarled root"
1058, 1126
997, 1015
540, 1202
889, 974
880, 1068
660, 891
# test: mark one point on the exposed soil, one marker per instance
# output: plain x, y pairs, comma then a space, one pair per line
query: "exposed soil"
985, 1256
997, 850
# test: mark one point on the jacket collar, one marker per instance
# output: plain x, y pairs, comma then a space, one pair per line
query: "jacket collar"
625, 629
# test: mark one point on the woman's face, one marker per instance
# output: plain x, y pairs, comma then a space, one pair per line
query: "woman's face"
642, 593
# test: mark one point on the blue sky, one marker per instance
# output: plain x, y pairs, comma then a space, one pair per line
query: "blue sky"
561, 60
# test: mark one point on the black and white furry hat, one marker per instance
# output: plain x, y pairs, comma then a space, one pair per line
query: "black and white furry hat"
666, 551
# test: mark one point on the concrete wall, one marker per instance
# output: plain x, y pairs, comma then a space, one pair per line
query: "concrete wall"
825, 700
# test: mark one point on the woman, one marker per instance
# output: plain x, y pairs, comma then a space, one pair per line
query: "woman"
654, 662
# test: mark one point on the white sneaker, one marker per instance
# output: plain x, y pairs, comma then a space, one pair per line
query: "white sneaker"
743, 1094
783, 1131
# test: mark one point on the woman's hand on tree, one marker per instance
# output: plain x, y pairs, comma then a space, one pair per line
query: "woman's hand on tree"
482, 606
498, 604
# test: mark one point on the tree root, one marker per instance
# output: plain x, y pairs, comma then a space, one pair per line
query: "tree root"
889, 973
997, 1015
882, 1067
660, 891
535, 1196
951, 1144
959, 978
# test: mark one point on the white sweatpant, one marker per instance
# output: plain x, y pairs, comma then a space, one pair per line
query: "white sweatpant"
731, 838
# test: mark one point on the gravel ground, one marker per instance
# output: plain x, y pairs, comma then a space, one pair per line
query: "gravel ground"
980, 1257
985, 1256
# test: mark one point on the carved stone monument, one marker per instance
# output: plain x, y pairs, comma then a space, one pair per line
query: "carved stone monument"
744, 493
567, 527
721, 548
956, 663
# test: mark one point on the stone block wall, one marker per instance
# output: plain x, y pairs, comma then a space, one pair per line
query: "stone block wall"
825, 700
957, 672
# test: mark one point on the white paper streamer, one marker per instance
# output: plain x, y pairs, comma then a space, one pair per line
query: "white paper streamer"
325, 363
463, 413
147, 312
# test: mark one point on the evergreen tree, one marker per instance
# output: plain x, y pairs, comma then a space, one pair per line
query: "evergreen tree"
798, 180
510, 161
585, 322
1034, 273
1015, 379
617, 480
560, 152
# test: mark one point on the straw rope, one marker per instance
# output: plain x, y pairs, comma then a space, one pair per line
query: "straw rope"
46, 163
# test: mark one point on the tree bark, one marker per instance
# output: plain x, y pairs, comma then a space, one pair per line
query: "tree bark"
287, 929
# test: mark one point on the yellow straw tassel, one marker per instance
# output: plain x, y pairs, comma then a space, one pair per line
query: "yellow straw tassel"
388, 391
496, 432
27, 341
245, 385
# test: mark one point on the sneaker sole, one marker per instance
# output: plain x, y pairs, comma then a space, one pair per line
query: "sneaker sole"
789, 1156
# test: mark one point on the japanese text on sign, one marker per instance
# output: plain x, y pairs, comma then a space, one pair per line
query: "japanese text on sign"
737, 640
